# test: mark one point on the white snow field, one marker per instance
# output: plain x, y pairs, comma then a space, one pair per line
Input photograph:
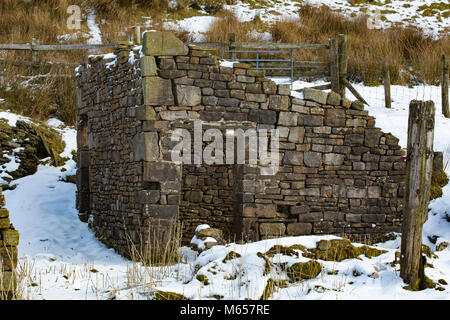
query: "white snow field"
60, 258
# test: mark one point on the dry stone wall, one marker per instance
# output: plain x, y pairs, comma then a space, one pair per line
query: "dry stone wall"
9, 240
338, 173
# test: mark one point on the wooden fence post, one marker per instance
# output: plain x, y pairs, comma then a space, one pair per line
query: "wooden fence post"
137, 34
232, 38
334, 66
130, 36
387, 86
344, 48
35, 55
444, 85
419, 167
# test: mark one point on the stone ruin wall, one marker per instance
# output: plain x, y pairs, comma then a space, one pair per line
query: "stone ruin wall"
339, 174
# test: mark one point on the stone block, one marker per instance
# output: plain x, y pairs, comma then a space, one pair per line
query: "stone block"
4, 223
263, 116
296, 134
335, 117
188, 95
260, 211
288, 119
148, 66
279, 103
161, 171
312, 159
272, 229
10, 237
333, 159
145, 113
284, 89
146, 146
149, 196
160, 211
293, 157
315, 95
299, 229
334, 98
372, 137
163, 44
157, 91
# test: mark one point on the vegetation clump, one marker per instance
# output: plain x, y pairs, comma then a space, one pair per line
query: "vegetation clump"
438, 181
304, 271
230, 256
203, 279
341, 249
268, 264
279, 249
167, 295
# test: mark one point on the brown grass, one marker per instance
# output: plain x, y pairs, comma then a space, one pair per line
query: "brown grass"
399, 47
20, 21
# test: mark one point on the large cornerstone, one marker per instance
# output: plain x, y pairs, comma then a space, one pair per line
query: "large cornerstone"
338, 173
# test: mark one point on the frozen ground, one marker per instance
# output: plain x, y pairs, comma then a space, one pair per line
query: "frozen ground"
60, 258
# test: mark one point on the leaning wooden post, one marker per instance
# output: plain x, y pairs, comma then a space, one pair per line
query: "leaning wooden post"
232, 38
334, 66
35, 55
419, 166
387, 86
445, 75
344, 48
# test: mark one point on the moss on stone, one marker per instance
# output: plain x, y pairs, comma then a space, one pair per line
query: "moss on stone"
278, 249
438, 181
341, 249
304, 270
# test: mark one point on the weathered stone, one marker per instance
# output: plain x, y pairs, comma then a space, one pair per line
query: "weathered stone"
188, 95
161, 171
272, 229
284, 89
149, 196
315, 95
299, 229
157, 91
162, 44
312, 159
296, 134
334, 98
148, 66
335, 117
145, 146
333, 159
263, 116
357, 105
372, 137
293, 157
269, 87
287, 119
160, 211
356, 193
279, 103
145, 113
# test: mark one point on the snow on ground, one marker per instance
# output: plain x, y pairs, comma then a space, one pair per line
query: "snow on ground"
389, 13
60, 258
94, 30
196, 26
